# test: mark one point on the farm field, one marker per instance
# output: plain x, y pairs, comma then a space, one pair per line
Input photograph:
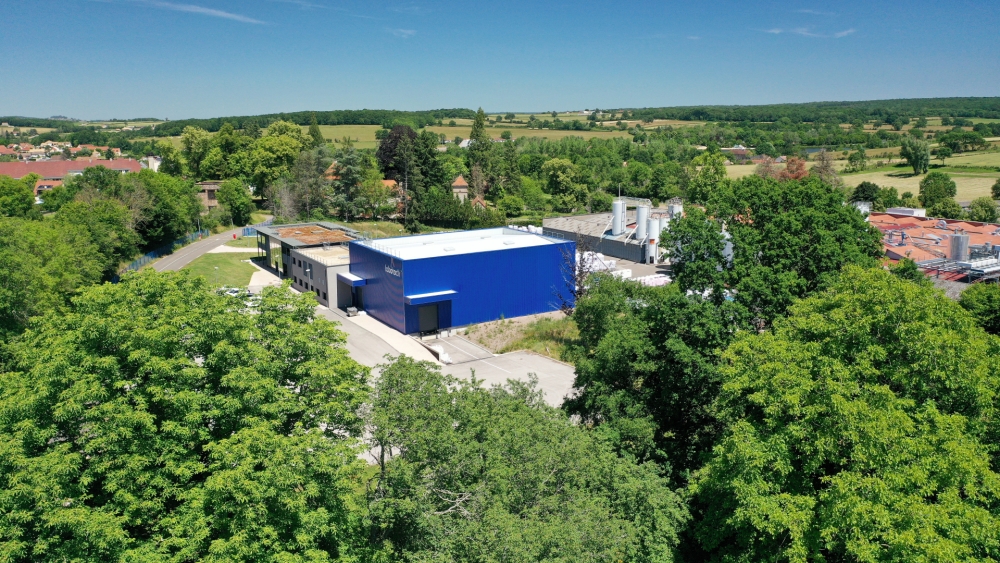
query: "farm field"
978, 159
363, 135
516, 132
40, 130
969, 186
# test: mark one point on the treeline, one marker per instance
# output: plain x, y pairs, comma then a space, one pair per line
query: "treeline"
831, 112
96, 222
388, 118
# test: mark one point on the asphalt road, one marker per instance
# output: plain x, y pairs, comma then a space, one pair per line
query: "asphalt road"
186, 255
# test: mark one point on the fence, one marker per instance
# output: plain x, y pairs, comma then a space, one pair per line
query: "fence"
163, 250
251, 231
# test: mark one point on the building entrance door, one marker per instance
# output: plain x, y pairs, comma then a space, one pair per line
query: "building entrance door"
428, 315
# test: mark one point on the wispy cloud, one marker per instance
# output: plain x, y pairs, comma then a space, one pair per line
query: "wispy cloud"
815, 12
806, 32
693, 37
406, 9
403, 33
301, 3
193, 9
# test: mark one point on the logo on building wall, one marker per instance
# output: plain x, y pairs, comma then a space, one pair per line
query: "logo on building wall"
393, 271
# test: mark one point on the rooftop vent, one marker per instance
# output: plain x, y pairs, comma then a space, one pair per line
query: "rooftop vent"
449, 248
509, 242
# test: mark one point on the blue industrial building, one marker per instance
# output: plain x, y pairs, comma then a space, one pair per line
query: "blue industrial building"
429, 282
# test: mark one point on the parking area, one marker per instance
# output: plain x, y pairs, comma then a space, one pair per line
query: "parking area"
555, 379
461, 350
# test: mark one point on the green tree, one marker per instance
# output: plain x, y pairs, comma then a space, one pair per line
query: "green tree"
856, 431
707, 172
947, 209
17, 197
857, 161
110, 225
983, 209
647, 369
866, 191
471, 474
171, 162
935, 187
268, 159
790, 239
995, 190
42, 265
481, 145
982, 301
315, 134
908, 270
234, 195
511, 205
943, 153
695, 245
196, 143
164, 423
916, 153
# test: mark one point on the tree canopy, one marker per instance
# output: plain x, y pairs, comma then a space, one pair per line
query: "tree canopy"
856, 430
163, 424
473, 474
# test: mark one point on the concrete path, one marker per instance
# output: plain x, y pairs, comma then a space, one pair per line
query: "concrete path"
225, 248
400, 342
366, 348
261, 279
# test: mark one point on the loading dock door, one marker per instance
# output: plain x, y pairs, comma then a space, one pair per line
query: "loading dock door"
428, 315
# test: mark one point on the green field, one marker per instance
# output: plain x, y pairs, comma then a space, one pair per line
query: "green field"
39, 130
224, 268
362, 135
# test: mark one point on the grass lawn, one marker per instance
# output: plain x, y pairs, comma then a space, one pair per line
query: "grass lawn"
258, 217
224, 268
244, 242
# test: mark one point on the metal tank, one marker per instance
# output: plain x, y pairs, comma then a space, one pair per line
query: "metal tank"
617, 216
664, 223
959, 247
641, 222
654, 239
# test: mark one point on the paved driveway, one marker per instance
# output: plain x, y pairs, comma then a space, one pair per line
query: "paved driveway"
186, 255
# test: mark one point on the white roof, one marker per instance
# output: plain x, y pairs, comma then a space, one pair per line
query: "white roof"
458, 242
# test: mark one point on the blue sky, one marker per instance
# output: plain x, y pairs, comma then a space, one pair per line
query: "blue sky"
96, 59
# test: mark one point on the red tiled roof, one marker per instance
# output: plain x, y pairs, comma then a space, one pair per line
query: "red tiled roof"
59, 169
460, 183
5, 150
927, 238
389, 183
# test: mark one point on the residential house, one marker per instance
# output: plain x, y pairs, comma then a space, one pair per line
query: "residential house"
59, 170
460, 188
207, 193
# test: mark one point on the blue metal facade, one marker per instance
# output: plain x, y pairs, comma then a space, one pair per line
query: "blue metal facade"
468, 288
